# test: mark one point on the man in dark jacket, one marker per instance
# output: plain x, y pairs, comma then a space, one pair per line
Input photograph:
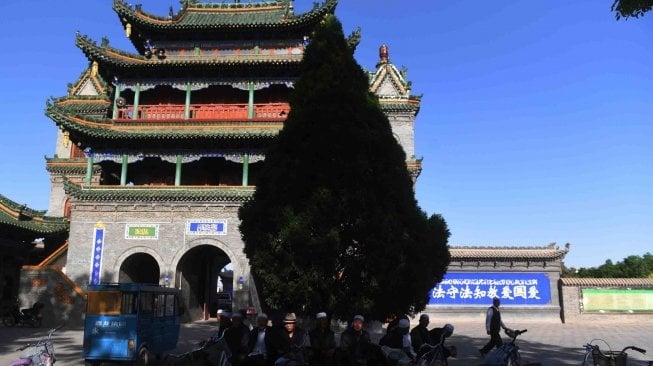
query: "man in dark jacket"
493, 326
399, 339
236, 338
323, 342
420, 335
289, 343
355, 344
258, 343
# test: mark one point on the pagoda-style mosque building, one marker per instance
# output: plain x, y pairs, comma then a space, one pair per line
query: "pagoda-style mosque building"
157, 148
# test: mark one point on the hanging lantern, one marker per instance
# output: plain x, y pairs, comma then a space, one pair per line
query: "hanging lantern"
128, 29
94, 68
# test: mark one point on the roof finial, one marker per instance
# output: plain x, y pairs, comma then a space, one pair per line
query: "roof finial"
383, 54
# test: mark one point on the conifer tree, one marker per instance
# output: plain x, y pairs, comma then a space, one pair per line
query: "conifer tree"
333, 224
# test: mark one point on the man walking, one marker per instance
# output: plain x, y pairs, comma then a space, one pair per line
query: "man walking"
493, 326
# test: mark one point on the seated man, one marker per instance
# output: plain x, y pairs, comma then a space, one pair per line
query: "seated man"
323, 342
258, 343
289, 343
355, 344
237, 337
420, 334
399, 339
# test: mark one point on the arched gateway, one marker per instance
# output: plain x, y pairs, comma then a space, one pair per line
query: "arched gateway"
139, 267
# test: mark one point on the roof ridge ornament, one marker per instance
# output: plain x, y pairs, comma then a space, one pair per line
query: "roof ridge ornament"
354, 39
384, 56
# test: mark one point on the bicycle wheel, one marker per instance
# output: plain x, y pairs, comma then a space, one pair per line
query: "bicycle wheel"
144, 357
8, 321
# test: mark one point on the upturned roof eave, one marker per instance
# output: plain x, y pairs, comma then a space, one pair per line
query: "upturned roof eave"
24, 218
507, 253
105, 129
115, 59
159, 193
145, 24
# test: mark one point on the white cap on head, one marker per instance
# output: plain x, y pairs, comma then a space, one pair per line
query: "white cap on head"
403, 323
321, 315
359, 317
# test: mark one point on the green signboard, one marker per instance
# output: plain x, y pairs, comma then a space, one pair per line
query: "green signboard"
617, 300
142, 231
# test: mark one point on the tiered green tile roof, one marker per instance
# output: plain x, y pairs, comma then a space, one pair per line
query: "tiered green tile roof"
159, 194
124, 63
267, 15
65, 112
20, 218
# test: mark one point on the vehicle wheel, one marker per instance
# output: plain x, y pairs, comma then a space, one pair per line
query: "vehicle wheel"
36, 323
144, 357
8, 321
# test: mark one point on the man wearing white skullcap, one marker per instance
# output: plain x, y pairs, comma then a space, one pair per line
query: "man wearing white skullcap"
323, 341
398, 338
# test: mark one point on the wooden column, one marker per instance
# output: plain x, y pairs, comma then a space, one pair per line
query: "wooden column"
178, 171
123, 170
89, 167
115, 101
187, 105
245, 170
137, 97
250, 102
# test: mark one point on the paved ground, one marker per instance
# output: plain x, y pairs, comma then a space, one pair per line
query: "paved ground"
549, 343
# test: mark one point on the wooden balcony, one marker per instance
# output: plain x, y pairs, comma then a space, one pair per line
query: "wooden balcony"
203, 112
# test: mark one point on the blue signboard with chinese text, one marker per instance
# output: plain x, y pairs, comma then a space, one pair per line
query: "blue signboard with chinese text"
479, 288
206, 227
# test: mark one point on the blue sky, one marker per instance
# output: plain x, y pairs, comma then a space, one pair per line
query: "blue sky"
535, 125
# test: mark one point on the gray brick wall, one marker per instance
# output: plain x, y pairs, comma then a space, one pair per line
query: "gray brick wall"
172, 243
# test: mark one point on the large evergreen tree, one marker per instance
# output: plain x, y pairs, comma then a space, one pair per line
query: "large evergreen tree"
334, 224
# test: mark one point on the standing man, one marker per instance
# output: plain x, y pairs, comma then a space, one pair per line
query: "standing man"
493, 326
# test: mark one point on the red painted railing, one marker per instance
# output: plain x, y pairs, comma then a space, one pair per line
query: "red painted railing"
203, 112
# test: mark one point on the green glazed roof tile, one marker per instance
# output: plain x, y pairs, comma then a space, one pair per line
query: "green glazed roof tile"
216, 16
159, 193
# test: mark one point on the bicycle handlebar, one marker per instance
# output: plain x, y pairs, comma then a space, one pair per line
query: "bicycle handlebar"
640, 350
594, 347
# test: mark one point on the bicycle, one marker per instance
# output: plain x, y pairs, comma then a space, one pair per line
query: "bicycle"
610, 358
40, 353
508, 354
211, 352
437, 354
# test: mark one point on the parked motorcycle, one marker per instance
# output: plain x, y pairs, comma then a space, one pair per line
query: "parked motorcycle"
16, 316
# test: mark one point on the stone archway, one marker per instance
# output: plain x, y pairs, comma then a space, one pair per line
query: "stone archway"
139, 267
204, 286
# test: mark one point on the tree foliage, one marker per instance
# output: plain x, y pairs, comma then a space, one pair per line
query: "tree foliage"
631, 8
334, 224
633, 266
